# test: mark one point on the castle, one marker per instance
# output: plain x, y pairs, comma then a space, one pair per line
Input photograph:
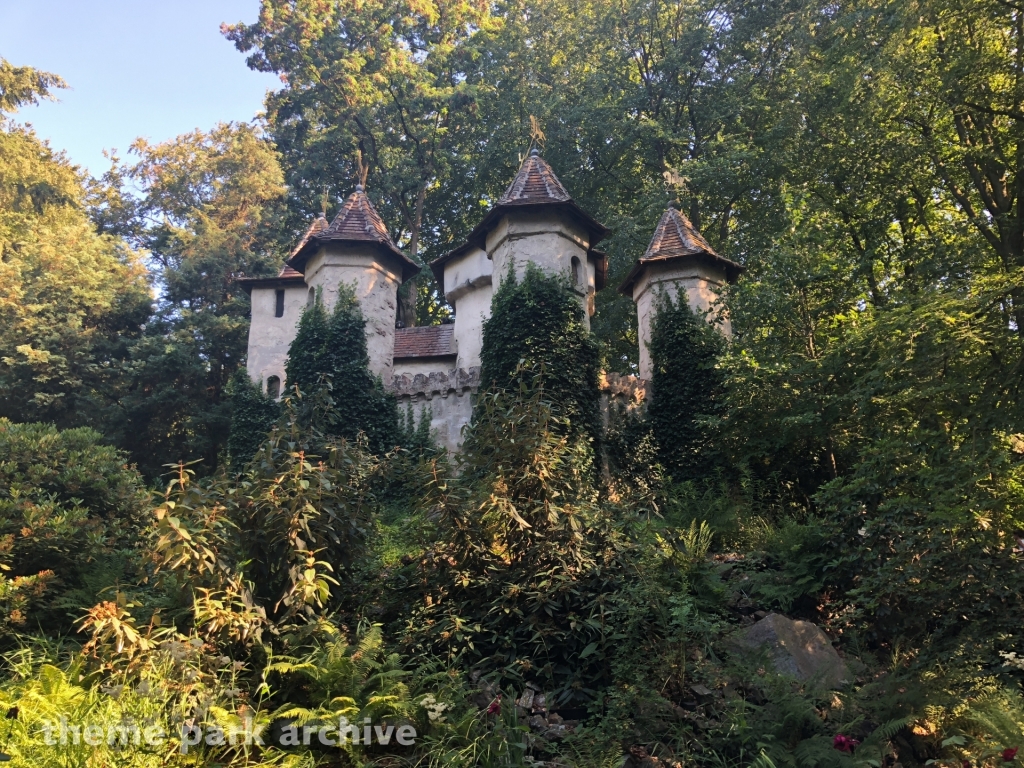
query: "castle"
438, 366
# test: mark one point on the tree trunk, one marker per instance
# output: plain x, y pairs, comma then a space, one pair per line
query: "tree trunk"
407, 294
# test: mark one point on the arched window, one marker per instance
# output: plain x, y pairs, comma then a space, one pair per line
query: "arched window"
311, 297
273, 387
576, 272
279, 302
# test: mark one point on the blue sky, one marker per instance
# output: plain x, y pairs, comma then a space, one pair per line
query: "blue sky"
152, 68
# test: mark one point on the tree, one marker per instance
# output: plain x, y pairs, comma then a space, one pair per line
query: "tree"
329, 364
687, 389
71, 299
208, 213
521, 581
384, 80
24, 85
538, 323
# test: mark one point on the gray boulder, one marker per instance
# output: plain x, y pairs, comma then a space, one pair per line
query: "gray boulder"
798, 649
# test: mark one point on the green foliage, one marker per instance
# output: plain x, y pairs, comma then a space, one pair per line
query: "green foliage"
70, 511
415, 435
688, 389
208, 213
538, 322
519, 580
333, 680
71, 300
252, 416
276, 544
24, 85
331, 351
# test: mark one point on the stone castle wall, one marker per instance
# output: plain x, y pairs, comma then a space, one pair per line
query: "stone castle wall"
448, 395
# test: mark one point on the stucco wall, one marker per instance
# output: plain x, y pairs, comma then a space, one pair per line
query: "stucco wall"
543, 238
467, 283
448, 395
696, 280
375, 281
269, 336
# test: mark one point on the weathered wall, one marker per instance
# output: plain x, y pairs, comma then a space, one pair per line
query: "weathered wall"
545, 239
269, 336
448, 395
696, 280
467, 282
422, 366
375, 281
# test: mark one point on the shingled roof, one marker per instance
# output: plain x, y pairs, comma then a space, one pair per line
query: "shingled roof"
676, 238
318, 225
424, 341
356, 222
287, 276
536, 185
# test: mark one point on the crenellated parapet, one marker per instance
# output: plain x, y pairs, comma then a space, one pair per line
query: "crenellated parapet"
436, 383
446, 395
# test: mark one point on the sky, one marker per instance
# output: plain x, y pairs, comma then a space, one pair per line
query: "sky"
150, 68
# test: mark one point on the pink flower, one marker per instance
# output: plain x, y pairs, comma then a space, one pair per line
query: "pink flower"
1009, 754
844, 743
495, 706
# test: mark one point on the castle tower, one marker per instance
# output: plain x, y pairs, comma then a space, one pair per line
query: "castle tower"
677, 262
356, 250
276, 306
535, 221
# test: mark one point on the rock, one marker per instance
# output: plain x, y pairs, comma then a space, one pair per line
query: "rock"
745, 605
555, 719
526, 700
538, 723
555, 733
797, 648
485, 693
702, 690
539, 705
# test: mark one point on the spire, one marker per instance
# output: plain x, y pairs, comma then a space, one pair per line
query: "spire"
356, 222
535, 184
676, 238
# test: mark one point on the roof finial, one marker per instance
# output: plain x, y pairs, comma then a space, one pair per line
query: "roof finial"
537, 137
323, 203
363, 169
675, 183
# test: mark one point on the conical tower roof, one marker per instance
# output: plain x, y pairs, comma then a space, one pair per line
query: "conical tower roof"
356, 222
676, 238
535, 185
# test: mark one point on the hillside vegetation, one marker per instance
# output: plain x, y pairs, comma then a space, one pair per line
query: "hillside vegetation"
176, 550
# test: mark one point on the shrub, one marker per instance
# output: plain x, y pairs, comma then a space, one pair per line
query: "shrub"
688, 389
272, 545
69, 514
519, 581
252, 416
329, 351
539, 323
